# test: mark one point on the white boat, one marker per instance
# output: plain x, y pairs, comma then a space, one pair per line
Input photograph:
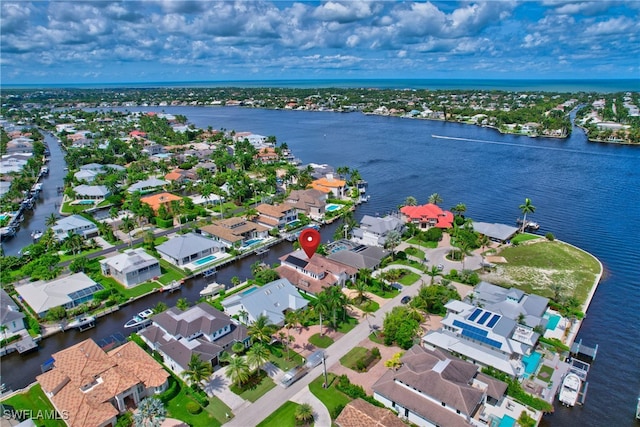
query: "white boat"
82, 323
36, 234
570, 389
173, 286
141, 319
638, 410
211, 289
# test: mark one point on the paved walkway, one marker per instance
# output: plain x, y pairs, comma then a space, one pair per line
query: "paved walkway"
320, 412
218, 385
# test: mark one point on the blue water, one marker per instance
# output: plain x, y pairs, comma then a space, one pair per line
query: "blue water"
554, 319
507, 421
584, 193
84, 202
332, 207
531, 363
204, 260
248, 291
252, 242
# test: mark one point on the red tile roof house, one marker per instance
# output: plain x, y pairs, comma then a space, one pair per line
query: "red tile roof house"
427, 216
92, 387
276, 216
312, 276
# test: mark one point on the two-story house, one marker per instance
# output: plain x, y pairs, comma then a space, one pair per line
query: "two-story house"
427, 216
132, 267
373, 230
313, 275
309, 202
74, 224
276, 216
235, 232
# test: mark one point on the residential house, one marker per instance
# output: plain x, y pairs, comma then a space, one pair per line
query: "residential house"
74, 224
356, 255
374, 230
187, 248
91, 192
496, 232
267, 155
147, 186
433, 388
309, 202
132, 267
68, 292
86, 175
180, 175
276, 216
499, 334
160, 199
21, 144
427, 216
200, 330
333, 187
91, 387
272, 300
11, 318
235, 232
313, 275
360, 413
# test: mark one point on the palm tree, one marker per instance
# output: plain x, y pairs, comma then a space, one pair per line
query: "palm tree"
293, 318
526, 208
435, 199
459, 209
410, 201
51, 220
151, 413
74, 242
261, 329
322, 307
160, 307
393, 239
238, 370
258, 355
361, 289
433, 273
304, 414
197, 370
128, 226
182, 304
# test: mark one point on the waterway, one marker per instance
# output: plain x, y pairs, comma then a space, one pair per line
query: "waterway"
584, 193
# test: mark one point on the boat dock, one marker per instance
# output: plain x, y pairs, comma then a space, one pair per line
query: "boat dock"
580, 362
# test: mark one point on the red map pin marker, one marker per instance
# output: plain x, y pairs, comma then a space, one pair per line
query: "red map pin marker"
309, 241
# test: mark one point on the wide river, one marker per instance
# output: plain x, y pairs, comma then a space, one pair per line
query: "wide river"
585, 193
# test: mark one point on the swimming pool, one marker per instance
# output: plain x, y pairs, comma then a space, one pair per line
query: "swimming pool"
554, 319
252, 242
507, 421
531, 363
3, 217
293, 223
205, 260
332, 207
248, 291
85, 202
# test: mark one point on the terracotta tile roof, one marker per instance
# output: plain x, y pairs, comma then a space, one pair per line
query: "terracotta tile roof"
156, 200
274, 211
317, 265
429, 213
360, 413
138, 363
173, 176
269, 221
233, 229
329, 182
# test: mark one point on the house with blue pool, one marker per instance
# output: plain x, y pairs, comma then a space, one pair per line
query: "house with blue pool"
189, 248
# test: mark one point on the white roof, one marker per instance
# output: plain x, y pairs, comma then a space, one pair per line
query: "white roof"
148, 183
130, 260
71, 223
185, 245
91, 190
42, 296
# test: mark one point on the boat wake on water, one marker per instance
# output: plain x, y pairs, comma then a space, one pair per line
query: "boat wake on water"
484, 141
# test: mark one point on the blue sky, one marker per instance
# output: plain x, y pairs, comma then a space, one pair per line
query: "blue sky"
57, 42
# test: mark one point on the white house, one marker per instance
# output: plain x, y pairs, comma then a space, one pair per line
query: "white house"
11, 317
374, 231
187, 248
132, 267
75, 224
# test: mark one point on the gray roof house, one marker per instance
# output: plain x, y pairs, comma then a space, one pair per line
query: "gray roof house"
490, 334
271, 300
512, 303
434, 388
200, 330
68, 292
87, 175
10, 315
91, 192
147, 186
132, 267
186, 248
496, 232
75, 224
357, 255
373, 230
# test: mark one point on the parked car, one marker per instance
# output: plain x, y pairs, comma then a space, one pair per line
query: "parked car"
405, 300
396, 285
440, 267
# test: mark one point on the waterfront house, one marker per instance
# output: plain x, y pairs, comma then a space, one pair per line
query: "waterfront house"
496, 232
180, 175
147, 186
356, 255
235, 232
86, 175
276, 216
160, 199
11, 318
91, 192
335, 188
267, 155
19, 145
360, 413
74, 224
187, 248
434, 388
427, 216
91, 387
272, 300
374, 231
68, 292
200, 330
132, 267
313, 275
309, 202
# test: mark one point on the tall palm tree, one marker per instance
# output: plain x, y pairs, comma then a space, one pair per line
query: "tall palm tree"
410, 201
257, 355
361, 289
433, 273
322, 307
393, 239
128, 225
238, 370
51, 220
151, 413
197, 370
261, 329
182, 304
74, 242
526, 208
435, 199
304, 414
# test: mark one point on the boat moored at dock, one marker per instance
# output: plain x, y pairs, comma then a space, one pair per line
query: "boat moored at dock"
211, 289
81, 323
570, 389
139, 320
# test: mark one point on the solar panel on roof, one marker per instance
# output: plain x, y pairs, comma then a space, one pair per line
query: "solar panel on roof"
480, 338
296, 261
493, 321
468, 327
475, 314
484, 318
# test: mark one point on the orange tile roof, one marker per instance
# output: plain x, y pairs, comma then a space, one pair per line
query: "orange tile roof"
156, 200
274, 211
360, 413
331, 183
173, 176
428, 213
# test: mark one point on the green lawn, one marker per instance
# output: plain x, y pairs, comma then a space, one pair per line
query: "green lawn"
369, 306
349, 360
279, 357
409, 263
257, 385
323, 341
428, 245
414, 252
35, 400
284, 416
545, 373
331, 397
176, 408
387, 293
409, 278
347, 325
523, 237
